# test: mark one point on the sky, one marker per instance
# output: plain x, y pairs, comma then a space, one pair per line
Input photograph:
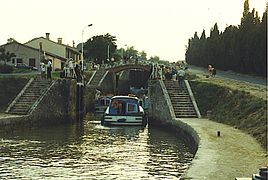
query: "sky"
159, 27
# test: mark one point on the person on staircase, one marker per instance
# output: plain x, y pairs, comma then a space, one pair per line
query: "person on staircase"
181, 76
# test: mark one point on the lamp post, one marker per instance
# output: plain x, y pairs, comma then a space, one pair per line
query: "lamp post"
82, 58
108, 52
126, 53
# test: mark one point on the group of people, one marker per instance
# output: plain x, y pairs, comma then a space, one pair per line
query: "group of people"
46, 68
72, 70
174, 72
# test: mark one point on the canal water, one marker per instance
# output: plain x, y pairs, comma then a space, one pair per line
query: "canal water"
91, 151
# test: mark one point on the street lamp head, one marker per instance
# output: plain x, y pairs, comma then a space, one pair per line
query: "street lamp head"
90, 25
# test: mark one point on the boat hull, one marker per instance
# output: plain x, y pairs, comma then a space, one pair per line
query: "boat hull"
109, 120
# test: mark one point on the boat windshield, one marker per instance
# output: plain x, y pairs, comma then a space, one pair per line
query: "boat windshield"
124, 107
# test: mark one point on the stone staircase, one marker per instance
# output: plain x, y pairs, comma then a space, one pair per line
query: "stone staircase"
29, 95
181, 100
97, 76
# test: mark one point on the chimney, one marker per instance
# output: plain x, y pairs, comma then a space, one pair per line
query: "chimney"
60, 40
47, 36
40, 46
73, 44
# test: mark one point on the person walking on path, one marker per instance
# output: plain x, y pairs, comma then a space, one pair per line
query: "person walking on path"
181, 75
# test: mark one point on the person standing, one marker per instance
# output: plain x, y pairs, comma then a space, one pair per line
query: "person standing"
71, 67
49, 69
210, 70
43, 70
181, 75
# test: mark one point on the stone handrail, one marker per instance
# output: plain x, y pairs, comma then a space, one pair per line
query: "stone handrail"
41, 97
192, 98
103, 77
91, 78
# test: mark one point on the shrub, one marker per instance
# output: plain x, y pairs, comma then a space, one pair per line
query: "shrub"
233, 107
4, 68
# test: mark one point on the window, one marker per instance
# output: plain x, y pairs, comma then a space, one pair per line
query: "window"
19, 60
132, 108
32, 62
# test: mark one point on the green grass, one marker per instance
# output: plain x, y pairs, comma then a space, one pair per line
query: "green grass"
21, 71
55, 74
9, 88
235, 107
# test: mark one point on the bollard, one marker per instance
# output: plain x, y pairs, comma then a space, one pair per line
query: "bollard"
209, 114
218, 133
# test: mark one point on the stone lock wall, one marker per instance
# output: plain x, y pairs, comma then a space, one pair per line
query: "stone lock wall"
161, 114
57, 106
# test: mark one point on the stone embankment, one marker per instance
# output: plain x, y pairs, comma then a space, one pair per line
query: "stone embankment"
57, 106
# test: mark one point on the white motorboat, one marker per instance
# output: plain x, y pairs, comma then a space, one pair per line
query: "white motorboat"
124, 110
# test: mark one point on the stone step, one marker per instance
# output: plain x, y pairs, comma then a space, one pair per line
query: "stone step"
179, 97
179, 102
182, 106
28, 98
39, 85
190, 108
32, 93
19, 110
185, 112
177, 93
186, 116
23, 104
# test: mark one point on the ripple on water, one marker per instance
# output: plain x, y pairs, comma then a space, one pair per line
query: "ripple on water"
93, 152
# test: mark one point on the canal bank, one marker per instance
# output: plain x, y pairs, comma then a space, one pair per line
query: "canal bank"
56, 106
230, 155
233, 154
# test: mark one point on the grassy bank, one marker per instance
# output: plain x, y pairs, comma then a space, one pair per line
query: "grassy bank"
9, 88
243, 108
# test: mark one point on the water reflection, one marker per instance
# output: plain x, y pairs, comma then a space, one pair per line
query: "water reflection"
91, 151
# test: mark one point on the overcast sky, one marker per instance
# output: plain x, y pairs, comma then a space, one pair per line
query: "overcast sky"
159, 27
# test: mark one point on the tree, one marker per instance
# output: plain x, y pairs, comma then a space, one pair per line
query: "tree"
242, 49
154, 58
143, 55
98, 47
131, 53
6, 56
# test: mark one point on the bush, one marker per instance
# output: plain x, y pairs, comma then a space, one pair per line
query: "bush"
9, 88
4, 68
233, 107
